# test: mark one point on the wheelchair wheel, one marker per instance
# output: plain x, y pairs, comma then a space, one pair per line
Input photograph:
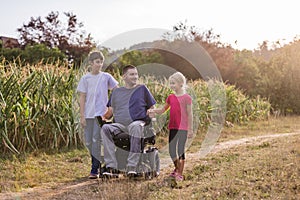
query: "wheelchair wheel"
156, 167
154, 162
151, 164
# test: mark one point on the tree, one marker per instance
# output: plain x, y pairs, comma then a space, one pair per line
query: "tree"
221, 53
70, 38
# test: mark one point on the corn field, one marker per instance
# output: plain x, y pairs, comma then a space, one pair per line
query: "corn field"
36, 108
39, 106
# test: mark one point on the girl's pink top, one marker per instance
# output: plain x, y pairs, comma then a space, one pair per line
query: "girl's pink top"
178, 111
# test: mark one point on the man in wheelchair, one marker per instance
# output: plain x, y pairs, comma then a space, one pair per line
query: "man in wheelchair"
128, 105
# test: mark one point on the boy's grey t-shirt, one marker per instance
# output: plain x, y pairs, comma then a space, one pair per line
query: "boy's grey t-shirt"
130, 104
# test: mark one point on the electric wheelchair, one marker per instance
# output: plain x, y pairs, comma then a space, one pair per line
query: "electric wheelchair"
149, 162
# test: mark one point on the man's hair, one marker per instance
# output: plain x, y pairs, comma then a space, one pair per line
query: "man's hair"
126, 68
95, 55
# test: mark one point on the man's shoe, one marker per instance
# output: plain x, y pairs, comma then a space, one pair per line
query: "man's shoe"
111, 173
131, 172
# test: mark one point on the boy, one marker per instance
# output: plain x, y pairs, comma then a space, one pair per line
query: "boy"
93, 89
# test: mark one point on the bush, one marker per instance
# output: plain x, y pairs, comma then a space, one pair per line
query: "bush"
34, 54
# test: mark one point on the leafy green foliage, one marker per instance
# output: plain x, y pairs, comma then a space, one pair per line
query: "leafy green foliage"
136, 58
34, 54
270, 73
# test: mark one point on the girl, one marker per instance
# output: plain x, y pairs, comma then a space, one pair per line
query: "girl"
180, 123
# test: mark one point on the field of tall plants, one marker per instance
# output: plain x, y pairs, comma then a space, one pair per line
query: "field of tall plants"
36, 107
39, 105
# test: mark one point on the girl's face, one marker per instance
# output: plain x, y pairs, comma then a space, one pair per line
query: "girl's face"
175, 85
96, 65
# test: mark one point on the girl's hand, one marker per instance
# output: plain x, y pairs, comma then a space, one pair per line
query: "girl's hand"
190, 133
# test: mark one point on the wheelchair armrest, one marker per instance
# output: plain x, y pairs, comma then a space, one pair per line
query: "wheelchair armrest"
101, 122
149, 134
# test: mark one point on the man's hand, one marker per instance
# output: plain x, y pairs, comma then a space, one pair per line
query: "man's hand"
108, 114
151, 113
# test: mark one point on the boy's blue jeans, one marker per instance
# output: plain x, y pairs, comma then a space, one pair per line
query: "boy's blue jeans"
93, 143
95, 165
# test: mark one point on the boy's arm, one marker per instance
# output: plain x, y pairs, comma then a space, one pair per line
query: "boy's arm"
82, 99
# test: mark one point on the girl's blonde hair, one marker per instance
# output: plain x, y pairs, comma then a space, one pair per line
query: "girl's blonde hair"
179, 78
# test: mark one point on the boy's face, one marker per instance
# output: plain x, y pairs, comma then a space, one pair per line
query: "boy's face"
96, 65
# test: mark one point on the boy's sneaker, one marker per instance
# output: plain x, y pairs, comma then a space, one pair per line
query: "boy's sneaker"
111, 173
93, 176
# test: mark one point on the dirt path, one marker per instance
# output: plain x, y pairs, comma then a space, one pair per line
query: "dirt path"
45, 192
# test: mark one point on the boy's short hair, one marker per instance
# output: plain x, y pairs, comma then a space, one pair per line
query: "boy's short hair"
126, 68
95, 55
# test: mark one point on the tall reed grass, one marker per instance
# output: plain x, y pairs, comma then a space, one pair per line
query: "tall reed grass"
39, 111
36, 107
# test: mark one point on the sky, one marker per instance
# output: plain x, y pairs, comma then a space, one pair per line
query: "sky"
242, 23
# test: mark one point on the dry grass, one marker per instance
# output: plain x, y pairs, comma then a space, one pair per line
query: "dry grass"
264, 127
267, 170
253, 128
37, 169
261, 170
